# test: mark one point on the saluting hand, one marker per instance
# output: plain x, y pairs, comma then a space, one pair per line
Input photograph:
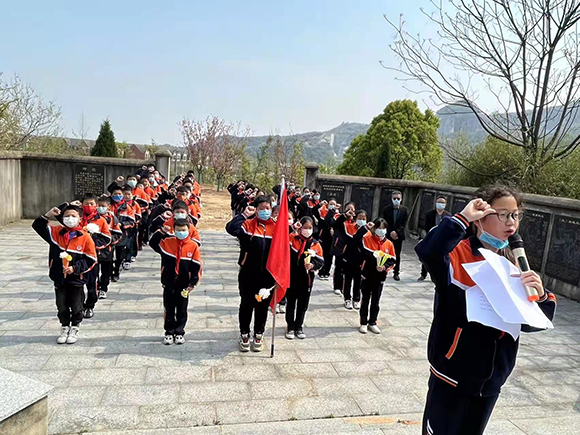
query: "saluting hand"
249, 211
477, 209
296, 226
349, 214
370, 225
54, 211
76, 203
119, 179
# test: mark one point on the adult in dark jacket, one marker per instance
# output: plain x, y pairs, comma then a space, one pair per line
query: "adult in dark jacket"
434, 218
254, 228
470, 362
396, 216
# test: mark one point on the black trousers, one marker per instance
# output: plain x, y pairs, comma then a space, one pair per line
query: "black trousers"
449, 412
338, 277
92, 291
327, 253
119, 258
106, 269
424, 270
69, 303
175, 311
352, 282
398, 244
296, 307
249, 306
371, 296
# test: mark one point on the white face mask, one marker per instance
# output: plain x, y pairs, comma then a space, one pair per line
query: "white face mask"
179, 215
290, 222
70, 221
306, 232
381, 232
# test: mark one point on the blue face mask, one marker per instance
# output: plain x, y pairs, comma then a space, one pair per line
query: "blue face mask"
493, 241
264, 215
181, 235
396, 202
117, 198
440, 206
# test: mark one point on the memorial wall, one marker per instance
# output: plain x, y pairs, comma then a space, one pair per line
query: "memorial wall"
550, 228
32, 183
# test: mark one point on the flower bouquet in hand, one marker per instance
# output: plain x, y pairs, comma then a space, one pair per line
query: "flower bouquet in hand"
66, 259
384, 260
263, 294
308, 255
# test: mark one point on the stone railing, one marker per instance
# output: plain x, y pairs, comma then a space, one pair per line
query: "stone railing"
550, 229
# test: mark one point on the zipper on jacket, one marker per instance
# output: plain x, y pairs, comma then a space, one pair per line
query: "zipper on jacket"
492, 368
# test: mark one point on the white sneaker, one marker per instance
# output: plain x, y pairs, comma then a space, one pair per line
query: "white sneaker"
179, 339
348, 304
73, 335
337, 292
102, 294
356, 305
363, 329
290, 335
126, 266
64, 330
374, 329
282, 309
168, 340
133, 259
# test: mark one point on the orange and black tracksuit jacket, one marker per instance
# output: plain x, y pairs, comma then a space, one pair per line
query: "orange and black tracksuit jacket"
300, 278
321, 213
194, 210
307, 206
78, 244
102, 238
369, 245
180, 260
255, 240
474, 358
115, 230
344, 232
193, 233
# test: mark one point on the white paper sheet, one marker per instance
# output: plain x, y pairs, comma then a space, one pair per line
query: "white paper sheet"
480, 310
505, 294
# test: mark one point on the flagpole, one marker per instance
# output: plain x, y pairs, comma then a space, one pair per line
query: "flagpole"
276, 286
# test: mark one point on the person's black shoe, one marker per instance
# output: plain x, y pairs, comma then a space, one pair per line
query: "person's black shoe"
115, 278
88, 313
421, 278
397, 277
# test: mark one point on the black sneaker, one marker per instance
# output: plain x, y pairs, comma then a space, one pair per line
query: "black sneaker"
421, 278
89, 312
115, 278
300, 334
397, 277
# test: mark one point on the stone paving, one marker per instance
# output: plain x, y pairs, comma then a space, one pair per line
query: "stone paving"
120, 379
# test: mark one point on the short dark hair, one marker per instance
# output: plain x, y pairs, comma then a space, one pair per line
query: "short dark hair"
182, 189
76, 208
261, 199
88, 196
179, 204
104, 199
349, 203
127, 188
306, 219
380, 222
441, 197
131, 176
396, 192
117, 188
181, 223
361, 211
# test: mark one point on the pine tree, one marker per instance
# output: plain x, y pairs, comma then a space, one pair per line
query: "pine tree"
105, 145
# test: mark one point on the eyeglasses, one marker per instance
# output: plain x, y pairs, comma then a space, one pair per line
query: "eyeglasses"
516, 216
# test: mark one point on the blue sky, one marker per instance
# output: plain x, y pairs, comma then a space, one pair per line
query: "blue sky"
273, 65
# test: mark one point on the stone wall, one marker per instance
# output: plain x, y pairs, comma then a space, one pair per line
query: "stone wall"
550, 229
11, 208
32, 183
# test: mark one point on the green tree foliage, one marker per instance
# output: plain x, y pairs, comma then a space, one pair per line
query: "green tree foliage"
329, 166
105, 145
400, 143
124, 150
495, 161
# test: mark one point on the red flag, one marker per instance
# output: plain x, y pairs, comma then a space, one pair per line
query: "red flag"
279, 258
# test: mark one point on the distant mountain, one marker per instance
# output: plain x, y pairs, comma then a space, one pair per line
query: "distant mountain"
319, 146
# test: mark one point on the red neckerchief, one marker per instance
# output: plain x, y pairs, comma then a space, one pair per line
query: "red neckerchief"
87, 219
67, 236
180, 244
116, 205
303, 245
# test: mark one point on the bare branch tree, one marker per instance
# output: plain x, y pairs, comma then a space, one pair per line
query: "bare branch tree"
525, 53
25, 116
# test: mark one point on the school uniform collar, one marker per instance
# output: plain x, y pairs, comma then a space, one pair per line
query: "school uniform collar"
475, 244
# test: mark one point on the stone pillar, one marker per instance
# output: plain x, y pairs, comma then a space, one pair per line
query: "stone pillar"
310, 175
163, 163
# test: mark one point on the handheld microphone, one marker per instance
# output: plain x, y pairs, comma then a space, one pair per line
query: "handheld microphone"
517, 247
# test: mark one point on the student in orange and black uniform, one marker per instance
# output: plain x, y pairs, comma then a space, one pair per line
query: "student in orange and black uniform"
470, 362
106, 254
325, 233
72, 255
308, 203
374, 275
129, 214
179, 210
254, 228
352, 260
98, 228
339, 224
305, 258
180, 273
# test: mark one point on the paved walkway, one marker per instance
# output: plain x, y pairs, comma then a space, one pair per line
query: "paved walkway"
120, 379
